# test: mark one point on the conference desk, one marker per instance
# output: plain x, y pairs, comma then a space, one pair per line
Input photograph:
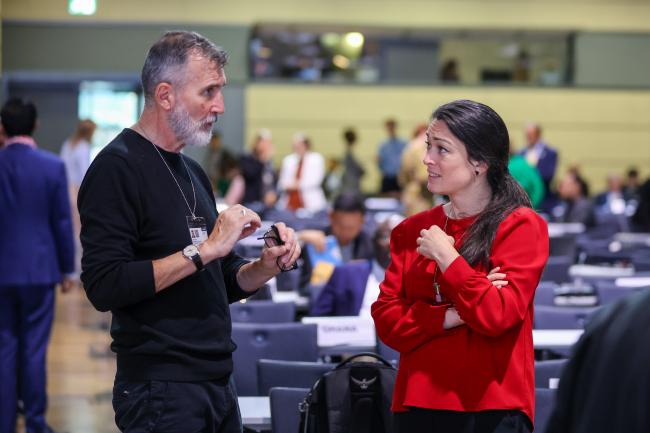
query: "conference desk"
349, 334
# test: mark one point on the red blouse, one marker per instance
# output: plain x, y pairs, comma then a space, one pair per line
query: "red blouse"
487, 363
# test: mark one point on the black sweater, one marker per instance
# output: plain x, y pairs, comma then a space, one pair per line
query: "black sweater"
132, 212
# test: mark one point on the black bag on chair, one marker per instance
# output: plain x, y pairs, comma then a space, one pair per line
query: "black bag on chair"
353, 397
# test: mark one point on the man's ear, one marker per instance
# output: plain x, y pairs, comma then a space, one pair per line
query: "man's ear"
164, 96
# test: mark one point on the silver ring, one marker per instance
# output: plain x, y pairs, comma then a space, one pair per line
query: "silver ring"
243, 212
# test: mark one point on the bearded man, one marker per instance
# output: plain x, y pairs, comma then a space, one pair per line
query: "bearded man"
158, 255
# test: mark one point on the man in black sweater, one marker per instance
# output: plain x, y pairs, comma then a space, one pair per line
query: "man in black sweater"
159, 257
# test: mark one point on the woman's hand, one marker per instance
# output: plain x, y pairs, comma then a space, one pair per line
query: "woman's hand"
497, 278
436, 245
452, 319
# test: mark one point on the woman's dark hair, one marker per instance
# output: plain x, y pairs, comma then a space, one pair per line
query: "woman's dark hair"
486, 139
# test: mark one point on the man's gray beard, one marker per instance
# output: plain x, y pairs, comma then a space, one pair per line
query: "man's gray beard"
186, 129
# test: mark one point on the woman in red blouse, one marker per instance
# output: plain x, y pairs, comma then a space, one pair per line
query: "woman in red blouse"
465, 340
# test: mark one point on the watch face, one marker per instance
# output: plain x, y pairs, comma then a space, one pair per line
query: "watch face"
190, 251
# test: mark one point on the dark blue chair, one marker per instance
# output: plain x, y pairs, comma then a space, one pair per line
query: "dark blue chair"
262, 312
544, 402
255, 341
550, 317
557, 269
547, 370
388, 353
272, 373
545, 293
608, 292
285, 415
564, 246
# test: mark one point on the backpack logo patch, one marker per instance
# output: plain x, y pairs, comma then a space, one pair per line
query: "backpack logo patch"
363, 383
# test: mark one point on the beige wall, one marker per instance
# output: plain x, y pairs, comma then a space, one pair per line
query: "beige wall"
602, 15
601, 131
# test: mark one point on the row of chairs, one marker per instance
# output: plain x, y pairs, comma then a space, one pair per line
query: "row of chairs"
294, 342
288, 383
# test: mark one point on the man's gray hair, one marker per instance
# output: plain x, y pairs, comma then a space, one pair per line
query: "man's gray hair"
167, 58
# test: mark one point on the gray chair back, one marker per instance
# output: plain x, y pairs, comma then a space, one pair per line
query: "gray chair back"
544, 402
557, 269
272, 373
262, 312
388, 353
545, 293
284, 341
546, 371
285, 416
550, 317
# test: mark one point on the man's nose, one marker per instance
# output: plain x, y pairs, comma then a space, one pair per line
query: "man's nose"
218, 105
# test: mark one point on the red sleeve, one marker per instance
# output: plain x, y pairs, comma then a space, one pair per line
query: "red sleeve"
402, 324
521, 250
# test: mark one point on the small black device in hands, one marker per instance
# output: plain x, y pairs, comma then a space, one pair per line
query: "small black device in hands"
272, 239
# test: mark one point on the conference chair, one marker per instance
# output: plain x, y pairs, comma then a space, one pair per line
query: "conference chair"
551, 317
545, 293
284, 341
263, 312
557, 269
285, 415
564, 245
272, 373
608, 292
547, 373
388, 353
544, 402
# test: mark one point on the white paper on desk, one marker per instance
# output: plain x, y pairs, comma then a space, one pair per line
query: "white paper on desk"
344, 331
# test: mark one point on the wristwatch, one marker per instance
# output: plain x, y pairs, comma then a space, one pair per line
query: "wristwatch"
191, 252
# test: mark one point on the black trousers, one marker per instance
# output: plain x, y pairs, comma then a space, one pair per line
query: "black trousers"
446, 421
176, 407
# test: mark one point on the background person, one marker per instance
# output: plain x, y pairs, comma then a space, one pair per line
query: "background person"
389, 157
354, 286
36, 253
301, 177
465, 342
75, 153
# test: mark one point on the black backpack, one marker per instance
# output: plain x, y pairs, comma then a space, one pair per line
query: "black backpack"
353, 397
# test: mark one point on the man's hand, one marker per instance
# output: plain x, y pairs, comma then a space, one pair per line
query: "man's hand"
233, 224
316, 238
497, 278
281, 256
68, 284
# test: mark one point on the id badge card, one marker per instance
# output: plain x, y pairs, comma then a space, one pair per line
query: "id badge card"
198, 229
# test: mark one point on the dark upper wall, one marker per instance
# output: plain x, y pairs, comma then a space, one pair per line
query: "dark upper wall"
104, 48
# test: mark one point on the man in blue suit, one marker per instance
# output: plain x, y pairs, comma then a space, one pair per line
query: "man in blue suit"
354, 286
541, 156
36, 251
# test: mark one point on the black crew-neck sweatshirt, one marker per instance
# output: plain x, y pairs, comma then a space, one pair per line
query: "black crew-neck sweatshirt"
132, 212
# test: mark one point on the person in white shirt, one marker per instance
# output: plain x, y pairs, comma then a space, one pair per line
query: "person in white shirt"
75, 153
301, 178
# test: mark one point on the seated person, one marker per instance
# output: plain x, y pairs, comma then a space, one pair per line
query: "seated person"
574, 206
614, 200
345, 235
354, 286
